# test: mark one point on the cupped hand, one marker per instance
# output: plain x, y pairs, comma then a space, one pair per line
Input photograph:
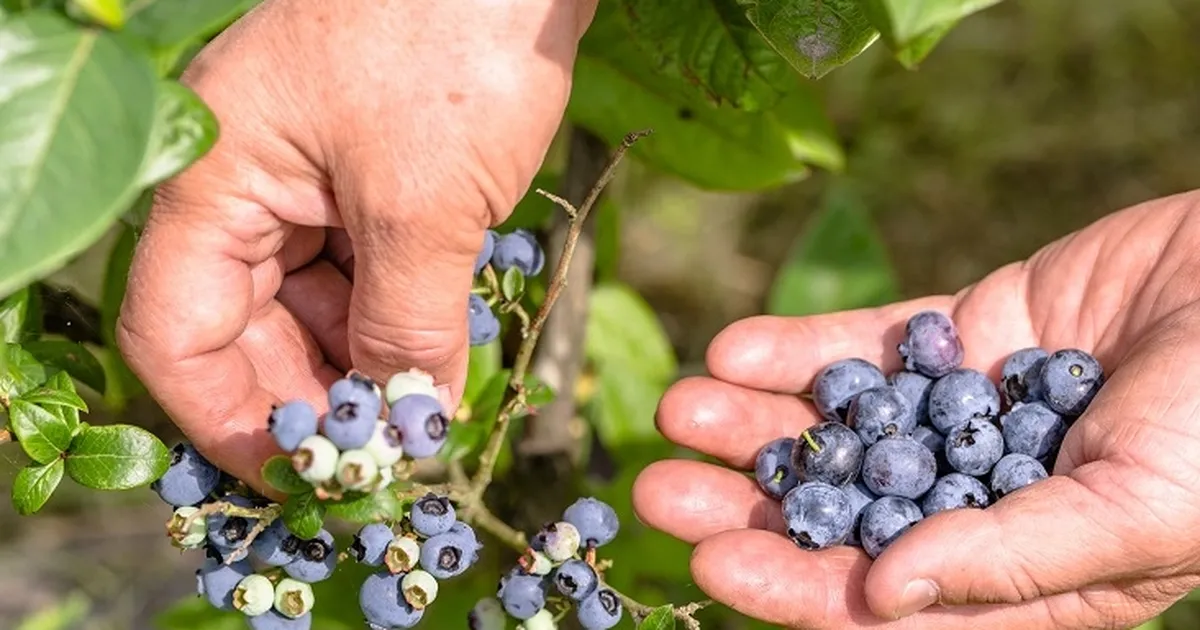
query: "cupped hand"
1109, 541
365, 149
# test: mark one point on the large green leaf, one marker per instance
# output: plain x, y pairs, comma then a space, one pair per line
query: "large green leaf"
73, 358
22, 372
14, 311
711, 44
76, 108
838, 263
815, 36
903, 21
484, 363
184, 130
625, 404
34, 484
622, 329
169, 24
44, 435
116, 457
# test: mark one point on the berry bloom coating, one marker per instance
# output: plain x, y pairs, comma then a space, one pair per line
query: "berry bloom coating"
596, 521
357, 470
522, 596
414, 381
316, 459
275, 546
293, 598
216, 581
915, 387
227, 533
962, 395
1070, 379
1021, 376
881, 412
291, 423
973, 447
829, 452
432, 515
371, 543
860, 497
482, 324
446, 555
184, 535
899, 466
485, 254
935, 442
519, 249
383, 605
384, 446
543, 620
886, 520
576, 579
773, 467
254, 595
403, 553
600, 611
272, 620
931, 344
315, 561
560, 541
419, 589
354, 406
189, 479
953, 492
1015, 471
1033, 429
422, 423
837, 384
487, 614
818, 515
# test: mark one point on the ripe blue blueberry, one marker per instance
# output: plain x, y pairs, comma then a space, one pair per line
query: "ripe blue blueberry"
1033, 429
315, 561
836, 385
1021, 376
575, 579
936, 443
482, 324
973, 447
519, 249
881, 412
884, 521
596, 521
899, 466
915, 387
422, 423
818, 515
931, 344
955, 491
354, 405
216, 581
371, 543
273, 620
962, 395
447, 555
522, 595
1070, 379
860, 497
290, 423
485, 254
432, 515
829, 452
600, 611
383, 604
1015, 471
275, 546
189, 479
227, 533
773, 468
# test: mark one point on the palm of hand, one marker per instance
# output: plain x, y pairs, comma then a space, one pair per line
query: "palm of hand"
1109, 541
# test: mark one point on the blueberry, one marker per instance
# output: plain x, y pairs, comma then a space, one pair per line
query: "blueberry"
818, 515
402, 554
915, 387
422, 423
412, 381
1021, 376
275, 546
962, 395
860, 497
485, 254
576, 579
1033, 429
469, 539
487, 614
447, 555
293, 598
773, 468
559, 541
357, 470
482, 324
522, 595
829, 452
543, 620
291, 423
254, 595
316, 459
596, 521
432, 515
600, 611
216, 581
931, 344
354, 405
899, 466
973, 447
1070, 379
881, 412
1015, 471
272, 620
955, 491
835, 386
519, 249
315, 561
371, 543
227, 533
382, 604
884, 521
185, 531
385, 446
936, 443
419, 588
189, 479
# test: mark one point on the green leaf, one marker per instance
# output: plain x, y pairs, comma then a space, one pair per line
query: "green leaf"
110, 13
278, 472
116, 457
68, 613
74, 358
465, 438
366, 508
483, 364
625, 405
623, 330
812, 135
22, 372
903, 21
303, 514
711, 44
512, 285
661, 618
815, 36
34, 485
59, 390
14, 310
915, 52
169, 24
43, 435
838, 263
184, 130
116, 278
76, 108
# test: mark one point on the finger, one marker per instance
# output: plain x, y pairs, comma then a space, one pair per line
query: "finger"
693, 500
340, 251
728, 421
319, 297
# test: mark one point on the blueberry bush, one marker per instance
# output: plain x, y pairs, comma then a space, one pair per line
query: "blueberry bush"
717, 93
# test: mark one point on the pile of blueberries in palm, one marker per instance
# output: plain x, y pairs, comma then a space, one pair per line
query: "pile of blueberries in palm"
518, 249
935, 436
561, 557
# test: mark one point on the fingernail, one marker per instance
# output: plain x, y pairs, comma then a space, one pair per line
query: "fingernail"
918, 595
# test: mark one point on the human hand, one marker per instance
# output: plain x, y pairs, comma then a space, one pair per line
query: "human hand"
1107, 542
365, 150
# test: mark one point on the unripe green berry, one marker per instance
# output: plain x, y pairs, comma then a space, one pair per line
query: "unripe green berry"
419, 588
384, 446
183, 534
543, 620
316, 459
536, 563
487, 614
402, 554
414, 381
293, 598
254, 595
562, 541
357, 470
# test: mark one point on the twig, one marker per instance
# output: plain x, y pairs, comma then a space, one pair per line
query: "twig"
683, 614
479, 515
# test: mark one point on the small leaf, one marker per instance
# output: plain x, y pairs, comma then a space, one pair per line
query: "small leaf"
483, 364
22, 372
815, 36
304, 515
14, 311
116, 457
49, 396
72, 357
110, 13
920, 47
43, 435
537, 392
362, 507
513, 284
903, 21
279, 473
661, 618
184, 130
34, 485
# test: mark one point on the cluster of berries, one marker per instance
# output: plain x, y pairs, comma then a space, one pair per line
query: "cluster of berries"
279, 595
932, 437
351, 448
562, 557
518, 250
431, 545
